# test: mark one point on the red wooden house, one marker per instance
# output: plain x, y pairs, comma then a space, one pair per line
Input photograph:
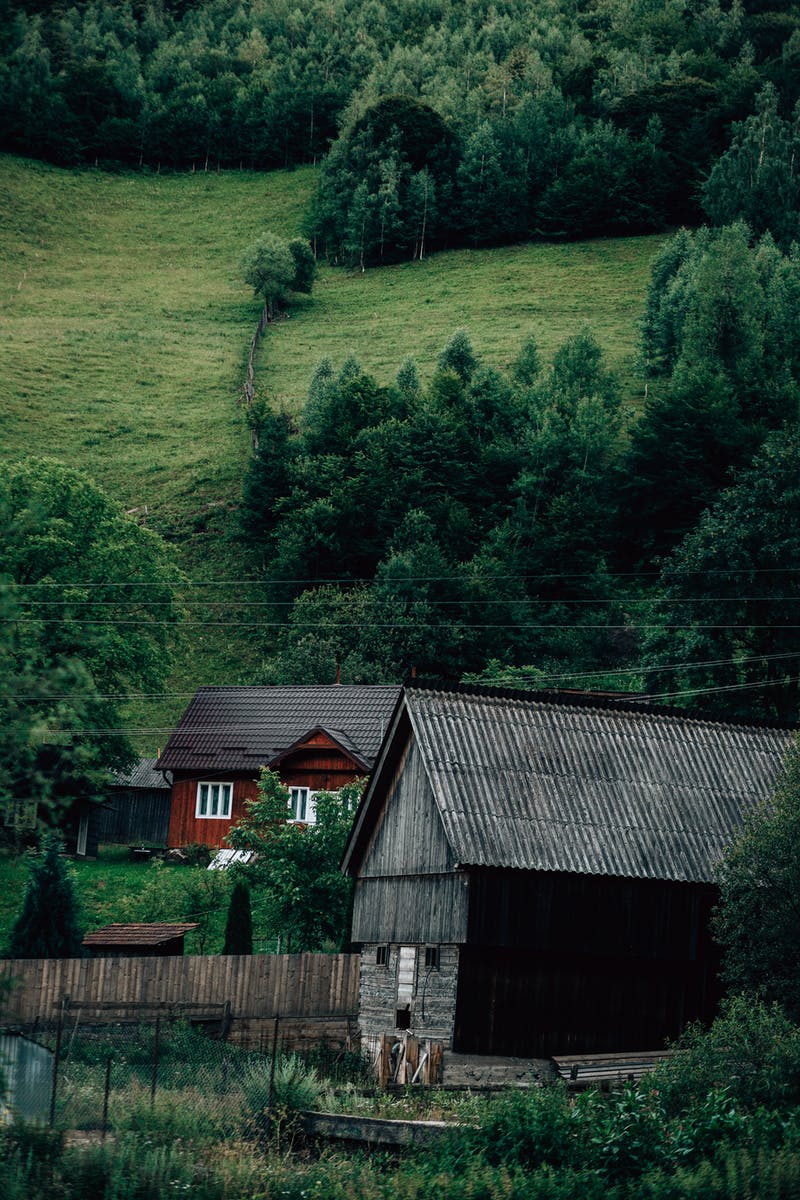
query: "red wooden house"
316, 738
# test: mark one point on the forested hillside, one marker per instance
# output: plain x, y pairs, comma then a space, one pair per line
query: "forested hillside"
451, 121
583, 489
526, 526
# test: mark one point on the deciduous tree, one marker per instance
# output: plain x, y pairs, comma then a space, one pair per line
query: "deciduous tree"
757, 920
298, 865
91, 615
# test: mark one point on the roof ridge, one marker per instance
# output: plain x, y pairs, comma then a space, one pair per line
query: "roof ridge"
625, 702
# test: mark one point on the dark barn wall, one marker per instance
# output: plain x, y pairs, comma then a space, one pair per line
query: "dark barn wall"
134, 815
578, 963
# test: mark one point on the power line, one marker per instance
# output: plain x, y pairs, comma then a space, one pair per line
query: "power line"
534, 675
730, 687
632, 698
411, 623
354, 579
620, 602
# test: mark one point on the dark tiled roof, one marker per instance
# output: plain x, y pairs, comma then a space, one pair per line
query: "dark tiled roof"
559, 787
153, 934
244, 728
142, 775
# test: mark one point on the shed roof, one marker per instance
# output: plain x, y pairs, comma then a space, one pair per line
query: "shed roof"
244, 728
152, 934
142, 775
541, 785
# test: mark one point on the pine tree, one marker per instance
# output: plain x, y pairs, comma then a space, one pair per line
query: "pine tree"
48, 926
239, 925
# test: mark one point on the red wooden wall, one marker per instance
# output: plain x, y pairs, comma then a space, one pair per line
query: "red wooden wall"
317, 764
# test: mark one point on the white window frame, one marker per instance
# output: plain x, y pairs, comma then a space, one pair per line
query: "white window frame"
207, 799
302, 800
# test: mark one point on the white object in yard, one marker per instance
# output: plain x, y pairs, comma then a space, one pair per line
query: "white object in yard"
223, 859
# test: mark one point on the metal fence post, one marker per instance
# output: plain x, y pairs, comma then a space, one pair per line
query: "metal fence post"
106, 1091
156, 1039
56, 1063
272, 1064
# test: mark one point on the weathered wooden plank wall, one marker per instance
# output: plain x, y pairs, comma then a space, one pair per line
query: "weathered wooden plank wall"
134, 816
315, 995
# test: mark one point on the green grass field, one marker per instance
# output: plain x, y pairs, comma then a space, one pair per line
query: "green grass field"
124, 331
102, 885
125, 326
500, 296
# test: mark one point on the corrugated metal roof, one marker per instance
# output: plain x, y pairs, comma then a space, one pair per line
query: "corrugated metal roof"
554, 787
142, 775
243, 728
145, 934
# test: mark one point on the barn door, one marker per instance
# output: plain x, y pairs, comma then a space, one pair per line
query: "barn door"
406, 971
83, 834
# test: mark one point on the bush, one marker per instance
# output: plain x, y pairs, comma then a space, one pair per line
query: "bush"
528, 1129
752, 1050
294, 1088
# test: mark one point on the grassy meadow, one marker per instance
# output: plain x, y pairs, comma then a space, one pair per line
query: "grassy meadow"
125, 330
125, 326
500, 296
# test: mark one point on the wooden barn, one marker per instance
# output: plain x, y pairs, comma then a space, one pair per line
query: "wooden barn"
316, 738
534, 875
136, 808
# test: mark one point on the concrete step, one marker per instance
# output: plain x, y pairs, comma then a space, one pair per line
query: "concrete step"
489, 1072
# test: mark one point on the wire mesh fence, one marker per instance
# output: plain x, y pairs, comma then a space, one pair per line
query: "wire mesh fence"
117, 1074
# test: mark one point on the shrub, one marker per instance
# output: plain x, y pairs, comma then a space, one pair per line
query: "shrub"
294, 1087
528, 1128
751, 1049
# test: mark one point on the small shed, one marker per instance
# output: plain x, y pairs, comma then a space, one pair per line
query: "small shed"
136, 808
26, 1069
158, 939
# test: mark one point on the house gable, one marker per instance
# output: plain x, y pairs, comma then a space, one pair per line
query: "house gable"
408, 837
409, 888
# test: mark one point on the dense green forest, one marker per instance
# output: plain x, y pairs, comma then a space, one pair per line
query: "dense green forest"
534, 530
447, 122
514, 523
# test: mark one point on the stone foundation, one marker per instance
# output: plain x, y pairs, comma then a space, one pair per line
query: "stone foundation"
407, 991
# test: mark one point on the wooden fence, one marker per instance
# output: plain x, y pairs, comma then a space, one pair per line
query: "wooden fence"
315, 996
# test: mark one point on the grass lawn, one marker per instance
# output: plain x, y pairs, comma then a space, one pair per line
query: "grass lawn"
108, 888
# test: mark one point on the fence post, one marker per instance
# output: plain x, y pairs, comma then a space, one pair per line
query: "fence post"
106, 1090
56, 1062
156, 1039
272, 1064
